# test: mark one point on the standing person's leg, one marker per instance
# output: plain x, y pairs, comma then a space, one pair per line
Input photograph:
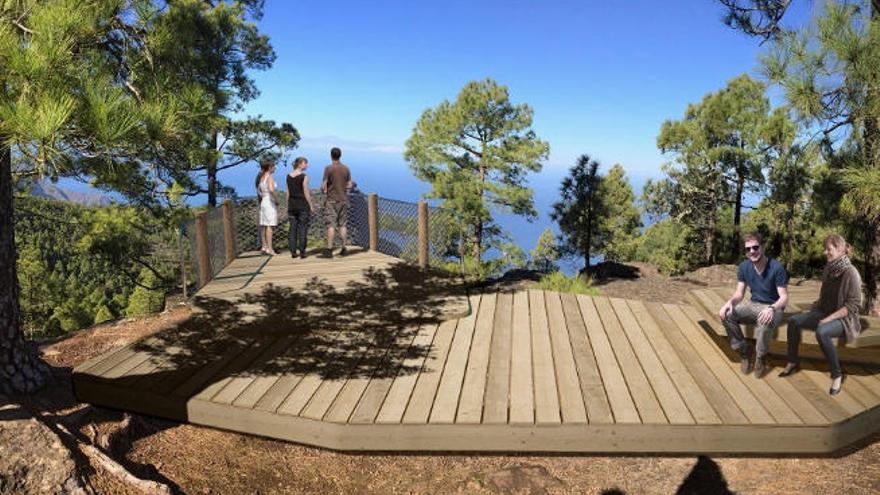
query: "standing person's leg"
824, 333
330, 218
304, 232
263, 238
342, 219
796, 323
270, 249
291, 234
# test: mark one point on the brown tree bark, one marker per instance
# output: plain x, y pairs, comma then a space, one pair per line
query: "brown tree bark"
211, 171
737, 217
20, 370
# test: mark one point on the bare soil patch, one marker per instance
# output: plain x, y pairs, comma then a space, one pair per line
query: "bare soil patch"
192, 459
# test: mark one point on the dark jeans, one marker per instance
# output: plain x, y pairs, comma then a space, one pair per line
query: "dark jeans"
824, 333
299, 230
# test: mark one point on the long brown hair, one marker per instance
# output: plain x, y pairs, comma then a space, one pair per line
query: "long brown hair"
265, 165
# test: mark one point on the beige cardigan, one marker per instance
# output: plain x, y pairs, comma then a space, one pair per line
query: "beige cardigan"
837, 292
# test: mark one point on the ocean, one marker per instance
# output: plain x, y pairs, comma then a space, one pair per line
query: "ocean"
392, 178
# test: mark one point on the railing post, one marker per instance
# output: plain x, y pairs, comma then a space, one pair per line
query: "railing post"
423, 234
202, 248
373, 220
228, 231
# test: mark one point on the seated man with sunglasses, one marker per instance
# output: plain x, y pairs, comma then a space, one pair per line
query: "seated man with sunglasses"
768, 282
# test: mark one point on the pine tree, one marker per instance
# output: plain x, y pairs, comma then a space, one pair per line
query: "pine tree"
545, 254
81, 96
579, 210
622, 222
827, 70
475, 152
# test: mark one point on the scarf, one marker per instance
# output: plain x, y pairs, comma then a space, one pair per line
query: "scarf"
837, 267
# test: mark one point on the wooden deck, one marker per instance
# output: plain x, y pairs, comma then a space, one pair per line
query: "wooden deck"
351, 364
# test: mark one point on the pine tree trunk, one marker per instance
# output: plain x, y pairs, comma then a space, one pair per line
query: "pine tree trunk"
212, 174
20, 371
737, 215
872, 268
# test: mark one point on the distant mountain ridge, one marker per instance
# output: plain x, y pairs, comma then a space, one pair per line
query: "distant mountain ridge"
45, 189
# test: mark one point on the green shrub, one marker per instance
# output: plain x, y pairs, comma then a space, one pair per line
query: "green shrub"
145, 301
559, 282
104, 314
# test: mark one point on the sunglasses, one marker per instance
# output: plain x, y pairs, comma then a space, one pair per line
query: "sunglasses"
755, 249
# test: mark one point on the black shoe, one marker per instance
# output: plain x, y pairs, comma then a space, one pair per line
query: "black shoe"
327, 254
760, 366
835, 391
302, 255
790, 370
343, 252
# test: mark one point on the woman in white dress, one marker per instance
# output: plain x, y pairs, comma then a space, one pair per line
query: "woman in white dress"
268, 207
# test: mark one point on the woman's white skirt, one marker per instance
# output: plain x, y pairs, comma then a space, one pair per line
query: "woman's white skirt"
268, 212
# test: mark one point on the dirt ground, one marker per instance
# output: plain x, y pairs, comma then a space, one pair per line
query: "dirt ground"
198, 460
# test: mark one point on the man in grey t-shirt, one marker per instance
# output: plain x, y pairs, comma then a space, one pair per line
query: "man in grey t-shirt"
336, 183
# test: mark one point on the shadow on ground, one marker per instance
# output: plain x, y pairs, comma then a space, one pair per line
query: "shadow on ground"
365, 329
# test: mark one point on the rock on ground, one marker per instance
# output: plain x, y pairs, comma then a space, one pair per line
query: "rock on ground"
32, 457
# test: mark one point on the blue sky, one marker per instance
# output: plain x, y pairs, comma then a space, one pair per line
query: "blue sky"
601, 76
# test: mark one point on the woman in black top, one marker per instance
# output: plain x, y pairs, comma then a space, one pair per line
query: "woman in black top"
299, 206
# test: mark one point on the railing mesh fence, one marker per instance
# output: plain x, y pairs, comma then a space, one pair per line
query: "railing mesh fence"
398, 230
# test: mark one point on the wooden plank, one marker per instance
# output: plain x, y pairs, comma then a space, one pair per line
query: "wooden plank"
111, 361
127, 365
730, 380
818, 396
352, 393
639, 388
522, 395
495, 409
546, 392
374, 395
853, 390
470, 403
351, 349
694, 398
419, 408
285, 384
401, 390
667, 395
621, 402
348, 349
593, 391
806, 410
571, 402
717, 395
239, 384
867, 377
773, 404
218, 371
236, 366
446, 401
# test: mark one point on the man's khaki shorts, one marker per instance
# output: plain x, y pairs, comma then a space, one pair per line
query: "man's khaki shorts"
336, 214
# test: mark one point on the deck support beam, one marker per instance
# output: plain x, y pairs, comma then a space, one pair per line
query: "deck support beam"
228, 231
202, 252
373, 220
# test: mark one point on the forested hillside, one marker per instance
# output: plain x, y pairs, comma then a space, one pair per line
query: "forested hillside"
81, 265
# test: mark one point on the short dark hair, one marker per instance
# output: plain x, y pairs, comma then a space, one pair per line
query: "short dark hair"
754, 236
335, 153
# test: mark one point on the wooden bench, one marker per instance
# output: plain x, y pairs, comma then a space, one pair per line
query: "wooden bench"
865, 349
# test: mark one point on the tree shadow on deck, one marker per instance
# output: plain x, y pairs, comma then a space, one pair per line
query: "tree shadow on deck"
362, 330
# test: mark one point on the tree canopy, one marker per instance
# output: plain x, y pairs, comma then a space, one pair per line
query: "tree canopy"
476, 152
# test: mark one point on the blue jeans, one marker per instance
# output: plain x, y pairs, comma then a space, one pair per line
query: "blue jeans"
824, 333
299, 230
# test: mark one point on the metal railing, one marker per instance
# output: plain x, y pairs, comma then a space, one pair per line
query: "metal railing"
413, 232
